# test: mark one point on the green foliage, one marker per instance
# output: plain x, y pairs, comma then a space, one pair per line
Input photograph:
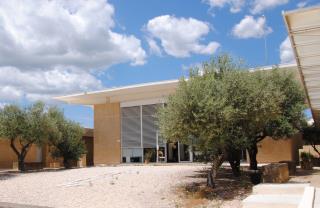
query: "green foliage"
226, 107
24, 126
306, 156
65, 138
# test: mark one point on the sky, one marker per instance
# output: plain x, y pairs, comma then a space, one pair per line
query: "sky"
57, 47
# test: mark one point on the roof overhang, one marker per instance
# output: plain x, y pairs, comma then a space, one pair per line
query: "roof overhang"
145, 91
304, 32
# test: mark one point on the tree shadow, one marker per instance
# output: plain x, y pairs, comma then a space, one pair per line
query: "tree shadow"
6, 176
301, 172
227, 186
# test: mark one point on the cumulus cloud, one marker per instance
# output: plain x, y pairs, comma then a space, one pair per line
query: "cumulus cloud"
286, 52
302, 4
259, 6
249, 27
154, 47
180, 37
235, 5
43, 84
46, 33
51, 47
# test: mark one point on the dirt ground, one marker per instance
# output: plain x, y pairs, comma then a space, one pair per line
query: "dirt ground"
125, 186
132, 186
228, 193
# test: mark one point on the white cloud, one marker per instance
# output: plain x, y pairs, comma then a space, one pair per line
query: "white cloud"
235, 5
46, 33
259, 6
51, 47
180, 37
34, 85
302, 4
286, 52
191, 66
249, 27
2, 105
154, 47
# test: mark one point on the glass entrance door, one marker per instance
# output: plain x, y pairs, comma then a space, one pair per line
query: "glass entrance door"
184, 153
172, 152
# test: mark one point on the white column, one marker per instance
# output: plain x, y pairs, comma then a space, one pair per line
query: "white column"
141, 133
157, 147
178, 151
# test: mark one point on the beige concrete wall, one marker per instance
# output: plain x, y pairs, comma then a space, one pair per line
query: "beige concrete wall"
7, 155
270, 150
106, 134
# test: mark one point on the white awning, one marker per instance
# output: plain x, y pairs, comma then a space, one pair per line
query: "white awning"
144, 91
304, 32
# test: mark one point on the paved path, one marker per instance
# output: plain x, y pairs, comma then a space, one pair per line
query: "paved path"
317, 198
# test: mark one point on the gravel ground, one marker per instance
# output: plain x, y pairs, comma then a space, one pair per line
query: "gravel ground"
119, 186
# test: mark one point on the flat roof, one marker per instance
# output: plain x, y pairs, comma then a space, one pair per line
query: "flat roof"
144, 91
149, 90
303, 26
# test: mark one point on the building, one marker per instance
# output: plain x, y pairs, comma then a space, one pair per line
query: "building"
125, 130
40, 157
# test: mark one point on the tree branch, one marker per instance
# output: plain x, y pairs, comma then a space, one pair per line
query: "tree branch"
315, 149
14, 147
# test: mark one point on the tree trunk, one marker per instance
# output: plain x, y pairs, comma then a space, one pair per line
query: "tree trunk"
66, 163
21, 164
216, 163
234, 157
253, 151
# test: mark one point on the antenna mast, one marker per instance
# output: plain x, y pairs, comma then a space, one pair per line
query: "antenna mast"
265, 43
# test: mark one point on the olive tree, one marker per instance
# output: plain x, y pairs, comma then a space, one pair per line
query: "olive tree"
273, 108
198, 113
24, 127
65, 138
225, 109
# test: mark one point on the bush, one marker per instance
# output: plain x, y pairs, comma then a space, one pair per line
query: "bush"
306, 156
306, 160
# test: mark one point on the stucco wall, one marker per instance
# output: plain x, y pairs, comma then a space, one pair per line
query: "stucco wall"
270, 150
7, 155
107, 134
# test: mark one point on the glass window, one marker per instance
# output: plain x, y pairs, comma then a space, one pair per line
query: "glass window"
132, 155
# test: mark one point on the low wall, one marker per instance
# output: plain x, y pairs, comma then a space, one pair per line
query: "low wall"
270, 150
8, 157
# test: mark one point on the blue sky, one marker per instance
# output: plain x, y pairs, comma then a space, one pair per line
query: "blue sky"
57, 48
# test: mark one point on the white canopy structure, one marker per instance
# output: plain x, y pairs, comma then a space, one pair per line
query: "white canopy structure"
152, 90
304, 32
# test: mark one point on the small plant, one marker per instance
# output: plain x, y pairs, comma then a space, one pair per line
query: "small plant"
306, 160
306, 156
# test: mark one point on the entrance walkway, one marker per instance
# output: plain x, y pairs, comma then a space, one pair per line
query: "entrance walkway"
288, 195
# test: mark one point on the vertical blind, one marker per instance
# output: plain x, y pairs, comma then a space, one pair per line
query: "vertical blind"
149, 129
131, 126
